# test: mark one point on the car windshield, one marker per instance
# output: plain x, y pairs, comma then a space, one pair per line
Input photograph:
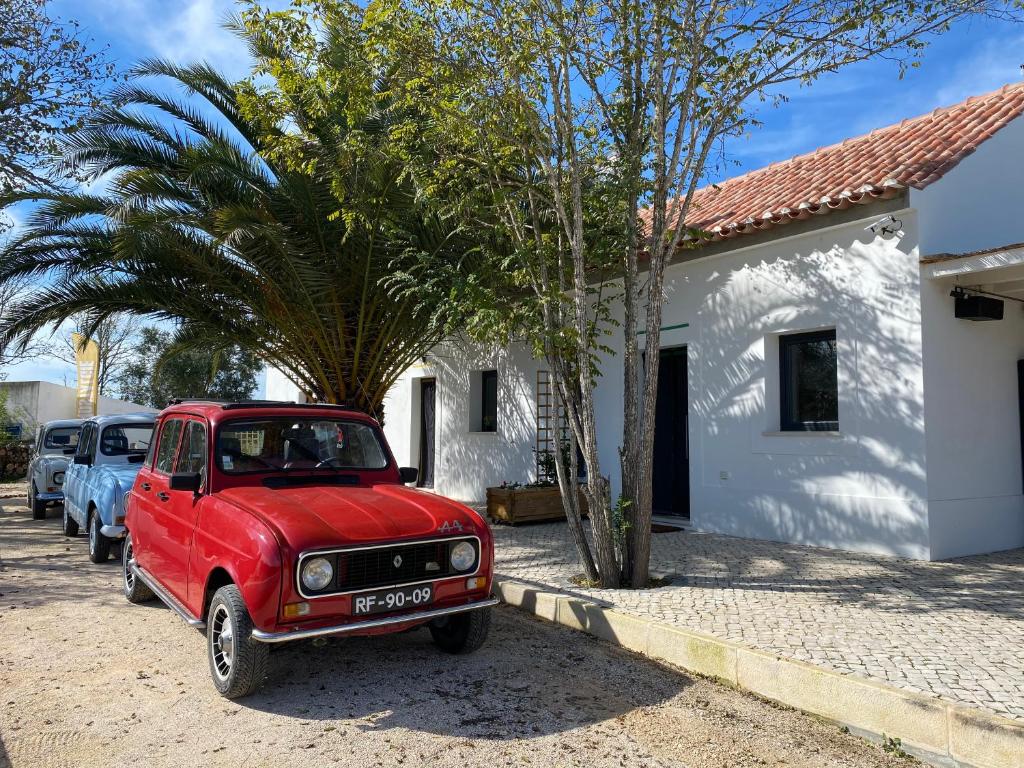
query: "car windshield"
61, 437
124, 439
287, 443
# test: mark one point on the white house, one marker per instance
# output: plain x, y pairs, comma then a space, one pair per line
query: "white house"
816, 384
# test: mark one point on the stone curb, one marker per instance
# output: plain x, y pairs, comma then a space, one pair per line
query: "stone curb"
939, 732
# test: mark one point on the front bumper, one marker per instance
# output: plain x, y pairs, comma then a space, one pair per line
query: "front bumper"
113, 531
52, 496
306, 634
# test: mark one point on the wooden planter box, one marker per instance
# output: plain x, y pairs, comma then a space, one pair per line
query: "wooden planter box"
528, 505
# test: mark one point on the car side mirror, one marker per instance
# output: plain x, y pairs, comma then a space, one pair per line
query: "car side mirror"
408, 474
82, 460
185, 481
69, 451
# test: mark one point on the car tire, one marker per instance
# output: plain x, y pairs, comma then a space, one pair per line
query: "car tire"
99, 545
70, 524
135, 589
38, 507
238, 664
463, 632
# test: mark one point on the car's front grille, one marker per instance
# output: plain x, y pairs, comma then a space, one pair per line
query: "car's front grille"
357, 569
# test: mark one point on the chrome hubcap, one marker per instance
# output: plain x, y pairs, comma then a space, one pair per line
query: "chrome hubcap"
222, 641
126, 561
93, 533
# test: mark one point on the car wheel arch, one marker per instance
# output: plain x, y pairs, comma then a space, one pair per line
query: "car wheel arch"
217, 578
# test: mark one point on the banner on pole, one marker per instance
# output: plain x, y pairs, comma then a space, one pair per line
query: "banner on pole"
87, 363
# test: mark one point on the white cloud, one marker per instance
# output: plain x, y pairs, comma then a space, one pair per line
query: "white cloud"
985, 69
184, 31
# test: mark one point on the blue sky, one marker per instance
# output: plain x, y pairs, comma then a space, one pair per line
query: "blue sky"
976, 57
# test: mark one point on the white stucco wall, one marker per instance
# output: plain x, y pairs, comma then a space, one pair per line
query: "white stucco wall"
467, 462
864, 489
975, 501
977, 205
280, 387
32, 403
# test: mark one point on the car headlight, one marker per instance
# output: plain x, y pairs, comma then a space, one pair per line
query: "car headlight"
317, 573
462, 556
58, 478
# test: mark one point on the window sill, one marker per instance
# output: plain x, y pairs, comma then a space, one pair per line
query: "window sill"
804, 433
484, 432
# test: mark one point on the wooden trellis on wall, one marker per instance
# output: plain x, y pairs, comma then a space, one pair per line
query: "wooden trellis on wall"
552, 425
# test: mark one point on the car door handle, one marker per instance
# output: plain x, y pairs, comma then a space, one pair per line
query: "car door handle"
146, 486
163, 496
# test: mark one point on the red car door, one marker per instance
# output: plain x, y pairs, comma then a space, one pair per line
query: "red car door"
183, 509
154, 551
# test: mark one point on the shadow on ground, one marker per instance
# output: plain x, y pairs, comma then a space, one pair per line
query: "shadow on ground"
989, 584
518, 686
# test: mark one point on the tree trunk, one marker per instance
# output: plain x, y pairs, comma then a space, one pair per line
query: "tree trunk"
568, 484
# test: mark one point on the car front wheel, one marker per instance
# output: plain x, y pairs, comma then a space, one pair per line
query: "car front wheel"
463, 632
99, 545
70, 524
38, 507
238, 663
135, 589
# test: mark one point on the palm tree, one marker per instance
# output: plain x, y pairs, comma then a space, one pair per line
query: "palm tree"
200, 223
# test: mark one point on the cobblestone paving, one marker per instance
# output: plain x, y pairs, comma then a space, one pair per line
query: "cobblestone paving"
953, 629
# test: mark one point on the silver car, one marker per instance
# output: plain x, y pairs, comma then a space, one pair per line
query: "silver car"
55, 446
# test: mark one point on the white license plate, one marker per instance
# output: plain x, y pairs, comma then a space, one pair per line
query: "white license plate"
394, 599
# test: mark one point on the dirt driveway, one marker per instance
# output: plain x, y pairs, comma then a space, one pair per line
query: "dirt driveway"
88, 680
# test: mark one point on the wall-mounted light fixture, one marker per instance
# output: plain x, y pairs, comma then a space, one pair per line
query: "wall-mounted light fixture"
975, 306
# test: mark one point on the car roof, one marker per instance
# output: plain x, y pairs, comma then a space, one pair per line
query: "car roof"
58, 423
219, 410
147, 417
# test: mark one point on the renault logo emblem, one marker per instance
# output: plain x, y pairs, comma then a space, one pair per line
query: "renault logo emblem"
397, 562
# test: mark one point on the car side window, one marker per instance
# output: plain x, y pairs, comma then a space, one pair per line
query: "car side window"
85, 442
192, 457
168, 445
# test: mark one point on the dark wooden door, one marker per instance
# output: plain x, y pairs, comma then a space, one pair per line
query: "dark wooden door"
671, 442
428, 419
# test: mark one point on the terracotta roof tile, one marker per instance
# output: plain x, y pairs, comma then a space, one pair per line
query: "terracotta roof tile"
913, 153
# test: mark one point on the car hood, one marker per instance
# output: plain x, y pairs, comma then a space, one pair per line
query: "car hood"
313, 517
57, 461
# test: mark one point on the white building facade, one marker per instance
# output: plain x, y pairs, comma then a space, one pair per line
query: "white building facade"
31, 404
921, 455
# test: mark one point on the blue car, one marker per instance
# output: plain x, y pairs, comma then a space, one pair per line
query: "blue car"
110, 452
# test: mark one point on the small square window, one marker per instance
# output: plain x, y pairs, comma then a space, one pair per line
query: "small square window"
809, 386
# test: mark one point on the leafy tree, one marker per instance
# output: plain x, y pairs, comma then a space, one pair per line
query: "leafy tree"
115, 339
49, 80
5, 420
271, 228
157, 374
12, 292
551, 114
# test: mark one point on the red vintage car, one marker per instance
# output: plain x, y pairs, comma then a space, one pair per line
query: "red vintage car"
266, 522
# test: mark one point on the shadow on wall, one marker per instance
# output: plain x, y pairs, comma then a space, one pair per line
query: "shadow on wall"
468, 462
865, 488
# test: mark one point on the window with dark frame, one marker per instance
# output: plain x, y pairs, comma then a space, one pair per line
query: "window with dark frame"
488, 401
809, 382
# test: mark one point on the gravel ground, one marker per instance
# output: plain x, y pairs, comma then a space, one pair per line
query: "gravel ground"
13, 489
88, 680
